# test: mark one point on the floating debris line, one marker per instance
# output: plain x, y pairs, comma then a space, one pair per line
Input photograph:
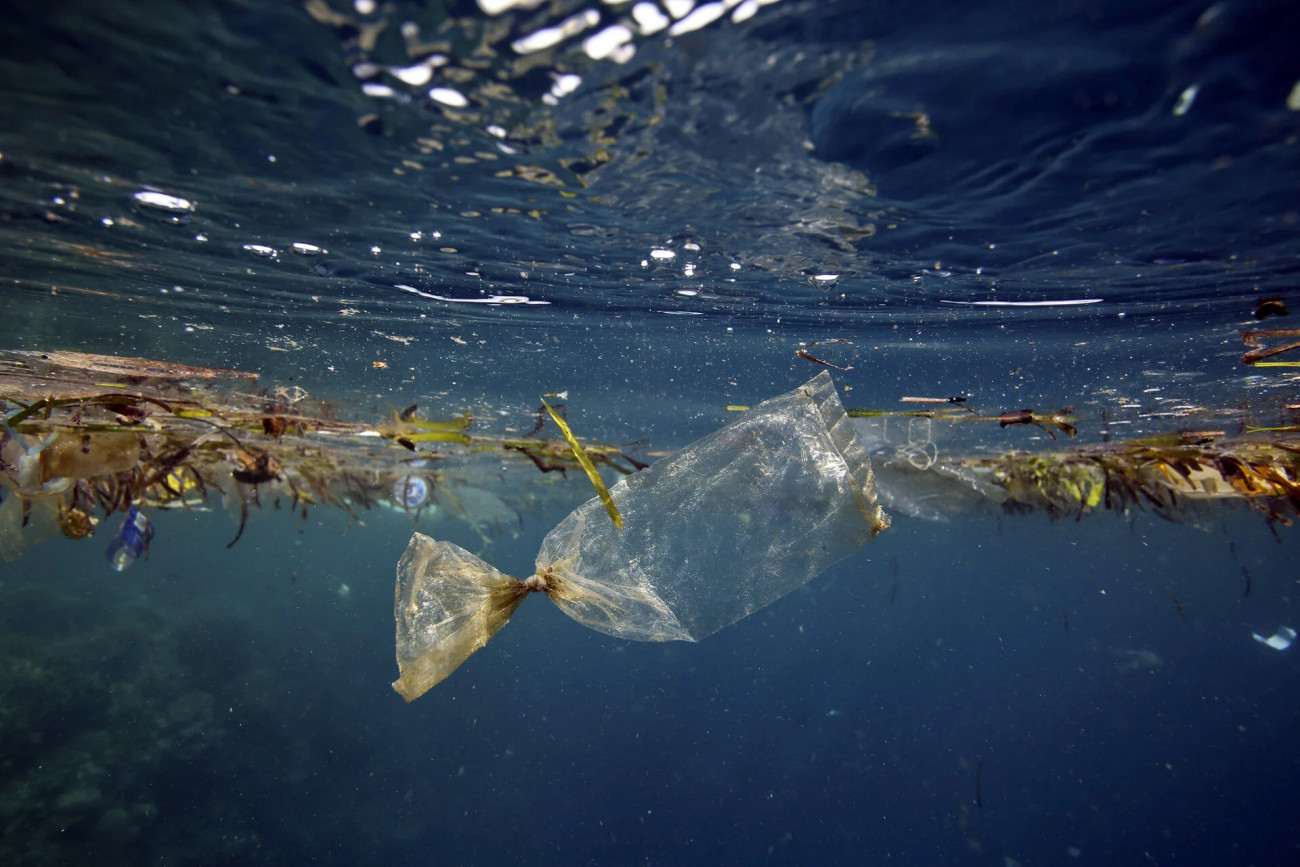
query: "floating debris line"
85, 436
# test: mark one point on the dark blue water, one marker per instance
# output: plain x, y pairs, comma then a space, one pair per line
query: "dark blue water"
987, 687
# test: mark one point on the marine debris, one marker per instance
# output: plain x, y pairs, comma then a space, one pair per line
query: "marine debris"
1259, 352
1062, 420
1177, 474
1262, 472
803, 353
86, 436
783, 492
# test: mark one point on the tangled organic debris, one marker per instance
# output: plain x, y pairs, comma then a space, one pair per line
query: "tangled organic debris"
158, 435
86, 436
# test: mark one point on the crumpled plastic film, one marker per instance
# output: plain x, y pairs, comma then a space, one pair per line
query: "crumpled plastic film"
719, 530
449, 603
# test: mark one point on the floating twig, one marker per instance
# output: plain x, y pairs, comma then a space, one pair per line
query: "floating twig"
1258, 352
807, 356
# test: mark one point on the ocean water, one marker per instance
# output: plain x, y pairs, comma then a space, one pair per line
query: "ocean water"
1030, 205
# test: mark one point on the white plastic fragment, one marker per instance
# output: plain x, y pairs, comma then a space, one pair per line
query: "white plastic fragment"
1279, 640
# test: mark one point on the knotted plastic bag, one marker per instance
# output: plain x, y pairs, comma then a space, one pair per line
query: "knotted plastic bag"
722, 528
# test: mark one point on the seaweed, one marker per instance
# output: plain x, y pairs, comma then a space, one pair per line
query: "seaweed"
588, 467
86, 436
136, 432
1170, 480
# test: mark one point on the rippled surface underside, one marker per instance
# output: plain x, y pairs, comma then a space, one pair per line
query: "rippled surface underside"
678, 207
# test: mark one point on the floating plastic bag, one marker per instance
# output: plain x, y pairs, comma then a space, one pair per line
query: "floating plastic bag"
717, 531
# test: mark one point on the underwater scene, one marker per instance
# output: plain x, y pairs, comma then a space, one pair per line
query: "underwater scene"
661, 432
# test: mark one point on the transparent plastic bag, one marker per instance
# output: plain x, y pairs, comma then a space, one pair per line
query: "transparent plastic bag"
722, 528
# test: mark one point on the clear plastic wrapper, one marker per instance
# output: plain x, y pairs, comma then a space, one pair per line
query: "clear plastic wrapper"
719, 530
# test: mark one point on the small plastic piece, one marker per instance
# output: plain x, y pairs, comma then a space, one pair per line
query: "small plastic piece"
717, 531
410, 492
1279, 640
132, 539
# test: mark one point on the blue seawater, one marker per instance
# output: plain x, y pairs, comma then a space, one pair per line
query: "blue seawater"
1066, 203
